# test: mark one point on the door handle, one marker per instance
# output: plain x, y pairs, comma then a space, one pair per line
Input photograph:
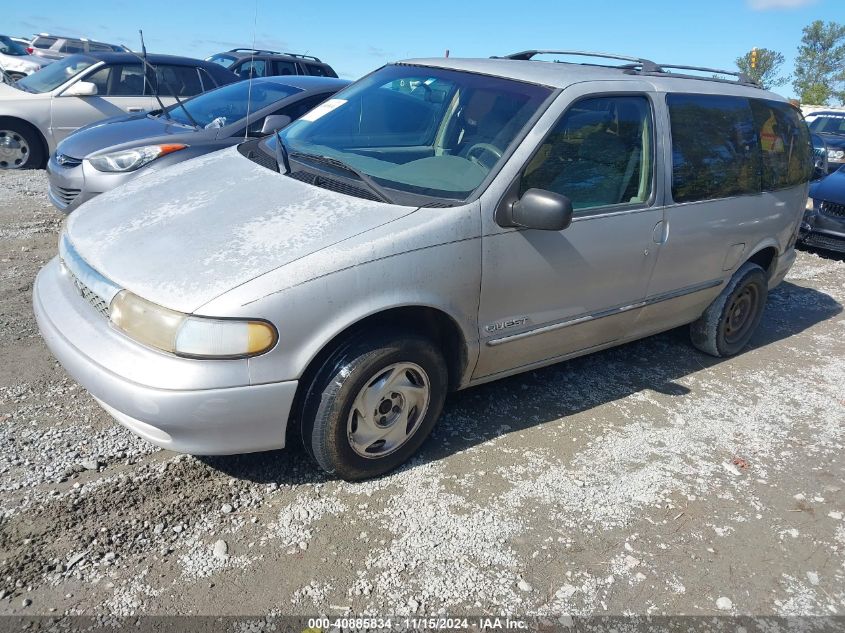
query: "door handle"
660, 234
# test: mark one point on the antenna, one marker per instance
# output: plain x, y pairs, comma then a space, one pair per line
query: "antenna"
251, 71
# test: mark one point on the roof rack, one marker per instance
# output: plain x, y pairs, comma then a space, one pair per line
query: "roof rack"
256, 51
259, 51
643, 66
646, 64
301, 56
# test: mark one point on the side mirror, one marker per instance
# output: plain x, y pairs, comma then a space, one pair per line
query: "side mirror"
539, 209
273, 122
81, 89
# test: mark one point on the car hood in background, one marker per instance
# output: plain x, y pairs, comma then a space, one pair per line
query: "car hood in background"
184, 235
124, 132
830, 188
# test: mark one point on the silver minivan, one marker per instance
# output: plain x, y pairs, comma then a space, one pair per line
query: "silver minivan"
439, 224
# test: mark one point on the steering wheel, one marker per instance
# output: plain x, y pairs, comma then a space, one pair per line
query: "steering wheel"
480, 149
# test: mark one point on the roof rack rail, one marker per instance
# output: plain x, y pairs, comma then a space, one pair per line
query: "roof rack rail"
646, 64
301, 56
740, 76
254, 50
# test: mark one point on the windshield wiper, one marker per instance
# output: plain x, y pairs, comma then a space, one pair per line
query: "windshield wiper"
281, 154
339, 164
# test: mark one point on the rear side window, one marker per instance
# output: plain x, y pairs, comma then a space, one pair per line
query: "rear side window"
598, 154
786, 149
43, 42
72, 46
715, 147
317, 71
183, 80
281, 67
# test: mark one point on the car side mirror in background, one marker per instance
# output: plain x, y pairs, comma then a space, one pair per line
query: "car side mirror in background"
81, 89
273, 122
537, 209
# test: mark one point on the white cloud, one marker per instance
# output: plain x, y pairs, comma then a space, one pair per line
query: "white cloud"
765, 5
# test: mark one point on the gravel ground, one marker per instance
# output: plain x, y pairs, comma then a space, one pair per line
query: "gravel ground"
650, 479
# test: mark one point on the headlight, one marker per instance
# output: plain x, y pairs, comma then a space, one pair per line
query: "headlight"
132, 159
185, 335
835, 154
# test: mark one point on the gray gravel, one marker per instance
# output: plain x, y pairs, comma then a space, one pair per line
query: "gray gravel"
649, 479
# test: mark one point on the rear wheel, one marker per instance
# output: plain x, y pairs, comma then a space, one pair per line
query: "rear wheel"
373, 404
728, 323
20, 147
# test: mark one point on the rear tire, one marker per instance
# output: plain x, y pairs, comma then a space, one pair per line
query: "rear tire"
728, 323
373, 403
20, 146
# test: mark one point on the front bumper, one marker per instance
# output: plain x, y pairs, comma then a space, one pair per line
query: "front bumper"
185, 405
71, 186
820, 230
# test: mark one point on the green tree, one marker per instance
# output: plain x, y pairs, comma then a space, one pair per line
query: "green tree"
820, 66
765, 70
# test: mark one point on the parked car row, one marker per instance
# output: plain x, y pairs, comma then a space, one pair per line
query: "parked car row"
438, 224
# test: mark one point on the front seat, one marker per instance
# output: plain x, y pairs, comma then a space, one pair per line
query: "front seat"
596, 177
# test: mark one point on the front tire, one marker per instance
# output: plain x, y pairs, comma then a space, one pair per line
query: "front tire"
373, 404
20, 146
728, 323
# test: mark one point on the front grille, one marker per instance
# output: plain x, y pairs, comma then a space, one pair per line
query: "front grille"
820, 240
64, 195
93, 299
68, 161
832, 209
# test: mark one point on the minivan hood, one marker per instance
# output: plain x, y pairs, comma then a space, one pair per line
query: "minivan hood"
124, 132
186, 234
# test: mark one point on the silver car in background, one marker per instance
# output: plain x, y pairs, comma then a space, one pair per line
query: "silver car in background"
438, 224
16, 61
39, 111
52, 47
103, 155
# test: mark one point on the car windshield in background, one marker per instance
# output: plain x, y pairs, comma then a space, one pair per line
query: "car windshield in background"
229, 104
418, 130
829, 125
10, 47
222, 59
54, 75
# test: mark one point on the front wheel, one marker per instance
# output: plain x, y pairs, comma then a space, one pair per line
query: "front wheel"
373, 404
20, 147
728, 323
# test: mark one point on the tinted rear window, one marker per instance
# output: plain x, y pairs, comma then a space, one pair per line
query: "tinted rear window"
785, 144
715, 147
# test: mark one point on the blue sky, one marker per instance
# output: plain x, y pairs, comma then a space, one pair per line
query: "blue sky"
356, 37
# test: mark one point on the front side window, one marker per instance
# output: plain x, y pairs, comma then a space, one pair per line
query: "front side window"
785, 145
119, 81
54, 75
715, 147
418, 130
600, 153
252, 68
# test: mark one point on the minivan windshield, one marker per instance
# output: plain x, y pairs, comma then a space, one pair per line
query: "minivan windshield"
414, 129
229, 104
54, 75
